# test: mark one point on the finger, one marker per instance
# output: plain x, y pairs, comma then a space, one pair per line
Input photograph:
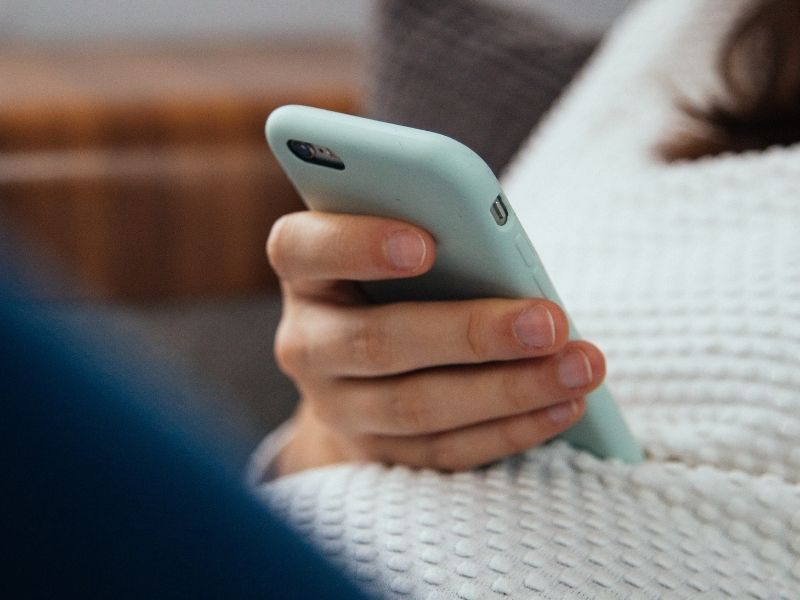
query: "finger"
370, 341
479, 444
452, 397
314, 245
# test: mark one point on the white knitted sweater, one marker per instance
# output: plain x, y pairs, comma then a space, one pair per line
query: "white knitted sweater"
688, 277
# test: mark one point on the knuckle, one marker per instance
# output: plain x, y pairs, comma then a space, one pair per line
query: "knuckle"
277, 245
515, 387
515, 434
290, 349
443, 455
342, 254
371, 344
350, 252
372, 447
409, 413
446, 455
476, 338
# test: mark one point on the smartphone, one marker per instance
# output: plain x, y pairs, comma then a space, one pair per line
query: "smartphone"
346, 164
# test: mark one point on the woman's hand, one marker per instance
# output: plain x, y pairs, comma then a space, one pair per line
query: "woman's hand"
447, 385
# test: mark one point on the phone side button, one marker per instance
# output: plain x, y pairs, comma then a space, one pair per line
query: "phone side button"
525, 250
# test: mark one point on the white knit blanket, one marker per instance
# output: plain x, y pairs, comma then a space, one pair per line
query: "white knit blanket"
688, 277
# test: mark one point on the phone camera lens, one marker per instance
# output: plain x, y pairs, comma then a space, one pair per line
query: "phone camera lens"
315, 154
302, 150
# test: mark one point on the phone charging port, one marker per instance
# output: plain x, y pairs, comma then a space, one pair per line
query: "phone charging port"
499, 211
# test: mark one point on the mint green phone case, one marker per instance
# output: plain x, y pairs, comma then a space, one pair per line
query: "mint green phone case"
444, 187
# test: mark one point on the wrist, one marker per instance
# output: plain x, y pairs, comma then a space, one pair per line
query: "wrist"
311, 444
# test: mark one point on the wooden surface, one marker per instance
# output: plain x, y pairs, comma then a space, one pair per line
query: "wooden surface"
144, 171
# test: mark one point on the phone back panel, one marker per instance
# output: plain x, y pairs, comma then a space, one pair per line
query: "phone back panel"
419, 177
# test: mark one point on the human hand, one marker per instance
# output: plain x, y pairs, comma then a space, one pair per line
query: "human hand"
448, 385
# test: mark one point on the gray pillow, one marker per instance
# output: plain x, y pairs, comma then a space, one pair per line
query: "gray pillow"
479, 71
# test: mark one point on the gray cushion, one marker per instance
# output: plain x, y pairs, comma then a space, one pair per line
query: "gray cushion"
480, 72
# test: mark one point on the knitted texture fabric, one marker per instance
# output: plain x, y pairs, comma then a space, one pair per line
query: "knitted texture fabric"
687, 275
480, 73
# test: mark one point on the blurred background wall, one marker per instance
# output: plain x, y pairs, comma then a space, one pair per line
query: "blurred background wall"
277, 20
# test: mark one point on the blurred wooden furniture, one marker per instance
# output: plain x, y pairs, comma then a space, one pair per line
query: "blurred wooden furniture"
144, 169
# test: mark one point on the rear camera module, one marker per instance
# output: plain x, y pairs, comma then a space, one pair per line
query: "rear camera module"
315, 154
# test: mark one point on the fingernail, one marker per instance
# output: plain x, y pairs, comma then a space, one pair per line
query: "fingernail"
405, 249
535, 328
575, 370
562, 413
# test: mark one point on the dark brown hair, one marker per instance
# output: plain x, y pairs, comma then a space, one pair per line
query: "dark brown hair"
759, 66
